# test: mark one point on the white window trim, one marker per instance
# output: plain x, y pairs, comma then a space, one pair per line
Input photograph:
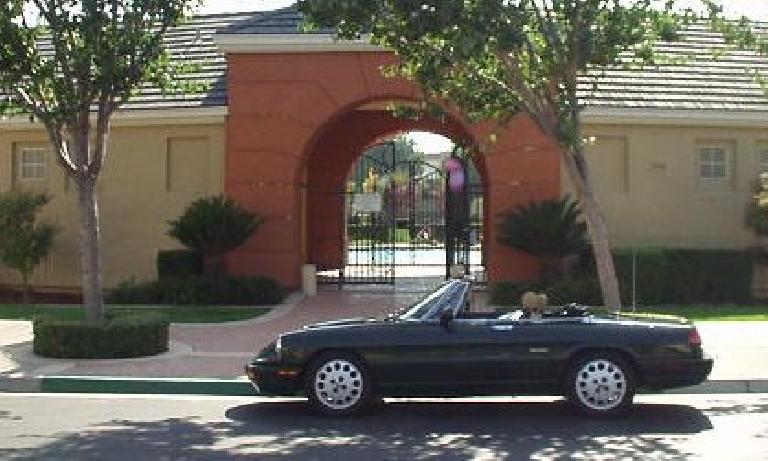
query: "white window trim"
728, 159
44, 164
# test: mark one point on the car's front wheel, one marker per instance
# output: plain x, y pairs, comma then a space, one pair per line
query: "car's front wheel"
600, 384
338, 384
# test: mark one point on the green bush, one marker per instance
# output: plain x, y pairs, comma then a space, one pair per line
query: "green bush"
200, 291
551, 228
712, 276
373, 231
137, 335
651, 275
175, 264
682, 275
214, 225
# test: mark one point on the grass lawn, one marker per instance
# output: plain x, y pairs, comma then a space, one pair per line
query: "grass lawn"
176, 314
713, 312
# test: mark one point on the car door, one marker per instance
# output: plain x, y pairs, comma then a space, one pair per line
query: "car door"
490, 355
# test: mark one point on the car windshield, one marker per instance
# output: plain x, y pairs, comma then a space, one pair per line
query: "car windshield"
449, 295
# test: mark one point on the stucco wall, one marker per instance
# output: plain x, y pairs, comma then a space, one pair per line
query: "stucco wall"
649, 186
152, 173
647, 179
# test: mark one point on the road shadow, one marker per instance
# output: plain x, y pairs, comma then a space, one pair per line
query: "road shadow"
7, 415
417, 431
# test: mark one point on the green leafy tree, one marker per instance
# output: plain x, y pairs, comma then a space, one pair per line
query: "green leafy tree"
24, 241
551, 230
494, 59
69, 65
214, 226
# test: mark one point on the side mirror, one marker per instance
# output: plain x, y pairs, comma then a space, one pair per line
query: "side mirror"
446, 318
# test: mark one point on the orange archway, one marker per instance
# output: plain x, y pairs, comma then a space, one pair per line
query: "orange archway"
298, 121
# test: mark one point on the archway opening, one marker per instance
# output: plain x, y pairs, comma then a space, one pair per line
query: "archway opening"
414, 208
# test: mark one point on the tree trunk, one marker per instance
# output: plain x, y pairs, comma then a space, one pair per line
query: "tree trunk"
26, 295
90, 248
601, 248
575, 165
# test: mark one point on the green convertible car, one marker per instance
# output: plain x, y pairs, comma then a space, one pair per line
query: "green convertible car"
438, 347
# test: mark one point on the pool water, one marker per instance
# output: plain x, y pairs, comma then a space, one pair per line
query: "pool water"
406, 256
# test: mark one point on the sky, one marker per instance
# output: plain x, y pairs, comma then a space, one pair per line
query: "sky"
428, 142
756, 9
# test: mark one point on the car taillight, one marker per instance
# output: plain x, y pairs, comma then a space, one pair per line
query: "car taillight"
693, 337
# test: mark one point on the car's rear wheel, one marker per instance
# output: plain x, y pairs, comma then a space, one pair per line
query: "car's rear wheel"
338, 384
600, 384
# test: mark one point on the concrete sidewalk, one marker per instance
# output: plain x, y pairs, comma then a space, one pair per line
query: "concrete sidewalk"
211, 353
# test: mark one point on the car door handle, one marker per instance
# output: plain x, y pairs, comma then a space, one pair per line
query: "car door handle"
538, 350
503, 327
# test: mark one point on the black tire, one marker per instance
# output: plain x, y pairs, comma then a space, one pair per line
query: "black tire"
338, 384
600, 384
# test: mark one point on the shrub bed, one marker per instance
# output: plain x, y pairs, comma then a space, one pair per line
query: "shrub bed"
137, 335
174, 264
687, 276
663, 276
200, 291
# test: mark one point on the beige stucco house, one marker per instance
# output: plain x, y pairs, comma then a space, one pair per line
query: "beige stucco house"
674, 151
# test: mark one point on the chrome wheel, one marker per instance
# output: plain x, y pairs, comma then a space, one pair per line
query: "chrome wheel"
338, 384
601, 385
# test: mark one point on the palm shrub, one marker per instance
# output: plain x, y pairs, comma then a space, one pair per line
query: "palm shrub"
214, 226
550, 230
24, 240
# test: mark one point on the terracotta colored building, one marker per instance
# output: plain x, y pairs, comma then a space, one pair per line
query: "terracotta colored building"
285, 115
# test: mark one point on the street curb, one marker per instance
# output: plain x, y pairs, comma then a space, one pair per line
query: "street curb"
741, 386
241, 387
23, 384
120, 385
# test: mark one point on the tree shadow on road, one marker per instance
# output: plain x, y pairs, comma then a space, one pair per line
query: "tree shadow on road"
404, 430
7, 415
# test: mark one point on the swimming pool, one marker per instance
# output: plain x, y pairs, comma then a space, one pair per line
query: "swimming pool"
402, 256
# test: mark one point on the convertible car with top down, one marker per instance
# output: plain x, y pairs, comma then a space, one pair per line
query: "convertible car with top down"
439, 347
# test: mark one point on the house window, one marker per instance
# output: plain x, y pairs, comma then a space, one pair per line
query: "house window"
33, 163
713, 162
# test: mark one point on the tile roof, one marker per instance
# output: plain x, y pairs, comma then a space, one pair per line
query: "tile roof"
282, 21
703, 83
192, 43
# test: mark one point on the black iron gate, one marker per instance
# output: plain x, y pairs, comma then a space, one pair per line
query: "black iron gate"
408, 215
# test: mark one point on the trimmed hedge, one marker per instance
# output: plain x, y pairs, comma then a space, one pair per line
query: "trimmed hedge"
138, 335
176, 264
200, 291
687, 276
663, 276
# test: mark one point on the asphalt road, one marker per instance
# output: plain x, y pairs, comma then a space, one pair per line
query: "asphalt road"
67, 427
